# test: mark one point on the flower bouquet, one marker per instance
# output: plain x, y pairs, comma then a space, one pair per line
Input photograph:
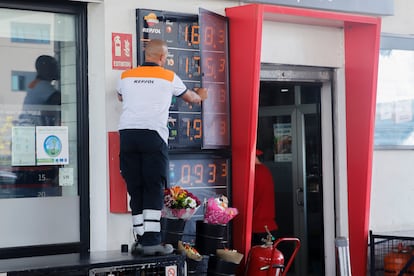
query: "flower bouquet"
179, 203
218, 212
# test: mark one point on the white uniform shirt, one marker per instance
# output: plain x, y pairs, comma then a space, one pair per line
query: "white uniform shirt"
146, 97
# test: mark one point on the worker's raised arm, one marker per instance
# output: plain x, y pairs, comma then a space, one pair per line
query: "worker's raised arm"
195, 96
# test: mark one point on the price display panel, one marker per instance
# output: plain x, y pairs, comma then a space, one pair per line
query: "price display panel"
185, 64
181, 33
193, 126
215, 77
204, 176
185, 128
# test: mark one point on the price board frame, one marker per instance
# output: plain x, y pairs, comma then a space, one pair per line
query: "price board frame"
214, 50
199, 135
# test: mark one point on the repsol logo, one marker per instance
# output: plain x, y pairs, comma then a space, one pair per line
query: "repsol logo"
151, 31
144, 81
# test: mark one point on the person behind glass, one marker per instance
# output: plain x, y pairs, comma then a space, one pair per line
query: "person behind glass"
264, 213
146, 92
42, 95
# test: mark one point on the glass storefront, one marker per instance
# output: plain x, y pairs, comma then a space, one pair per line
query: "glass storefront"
38, 114
39, 123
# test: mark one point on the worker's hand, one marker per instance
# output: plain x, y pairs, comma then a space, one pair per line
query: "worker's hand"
202, 92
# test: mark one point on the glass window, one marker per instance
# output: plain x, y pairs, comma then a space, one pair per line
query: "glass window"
38, 128
394, 124
310, 94
276, 94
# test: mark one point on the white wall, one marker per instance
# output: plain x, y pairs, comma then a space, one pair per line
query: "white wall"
109, 231
402, 22
392, 180
281, 47
392, 191
390, 204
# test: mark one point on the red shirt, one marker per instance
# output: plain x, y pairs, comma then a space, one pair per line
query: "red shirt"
264, 200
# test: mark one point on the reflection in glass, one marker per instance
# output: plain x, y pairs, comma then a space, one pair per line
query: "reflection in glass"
39, 90
394, 125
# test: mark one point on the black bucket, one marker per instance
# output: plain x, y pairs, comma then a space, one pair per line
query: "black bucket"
172, 230
197, 268
217, 266
210, 237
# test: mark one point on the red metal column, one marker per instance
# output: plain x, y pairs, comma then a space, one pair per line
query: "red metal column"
245, 31
361, 63
362, 35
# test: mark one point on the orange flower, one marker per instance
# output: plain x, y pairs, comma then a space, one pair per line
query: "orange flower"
175, 191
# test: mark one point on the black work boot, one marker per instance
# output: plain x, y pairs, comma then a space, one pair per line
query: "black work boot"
159, 249
136, 248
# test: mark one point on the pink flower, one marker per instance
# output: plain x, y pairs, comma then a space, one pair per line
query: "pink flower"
217, 212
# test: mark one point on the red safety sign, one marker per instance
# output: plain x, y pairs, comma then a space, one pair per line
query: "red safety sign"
121, 51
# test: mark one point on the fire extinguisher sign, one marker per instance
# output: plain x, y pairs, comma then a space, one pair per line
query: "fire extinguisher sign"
121, 51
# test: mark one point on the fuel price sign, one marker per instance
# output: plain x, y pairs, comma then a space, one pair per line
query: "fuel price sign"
197, 54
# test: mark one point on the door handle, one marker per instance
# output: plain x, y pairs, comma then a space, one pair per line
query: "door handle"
299, 196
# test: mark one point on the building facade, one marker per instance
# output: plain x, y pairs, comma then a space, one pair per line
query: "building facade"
66, 200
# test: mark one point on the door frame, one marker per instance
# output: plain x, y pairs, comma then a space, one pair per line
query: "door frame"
325, 76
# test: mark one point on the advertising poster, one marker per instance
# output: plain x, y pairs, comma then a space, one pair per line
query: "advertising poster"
283, 142
52, 145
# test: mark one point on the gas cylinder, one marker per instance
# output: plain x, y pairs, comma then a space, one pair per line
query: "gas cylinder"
396, 260
266, 259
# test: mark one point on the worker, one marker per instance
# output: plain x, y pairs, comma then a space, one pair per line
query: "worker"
146, 92
264, 213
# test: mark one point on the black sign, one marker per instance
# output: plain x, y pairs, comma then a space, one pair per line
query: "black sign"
198, 55
199, 173
204, 176
185, 37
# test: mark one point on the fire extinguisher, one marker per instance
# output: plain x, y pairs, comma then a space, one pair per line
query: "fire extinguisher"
267, 260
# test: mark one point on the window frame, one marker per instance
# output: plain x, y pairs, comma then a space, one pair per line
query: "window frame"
79, 10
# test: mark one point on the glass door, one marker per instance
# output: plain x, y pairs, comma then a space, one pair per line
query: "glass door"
43, 144
289, 134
